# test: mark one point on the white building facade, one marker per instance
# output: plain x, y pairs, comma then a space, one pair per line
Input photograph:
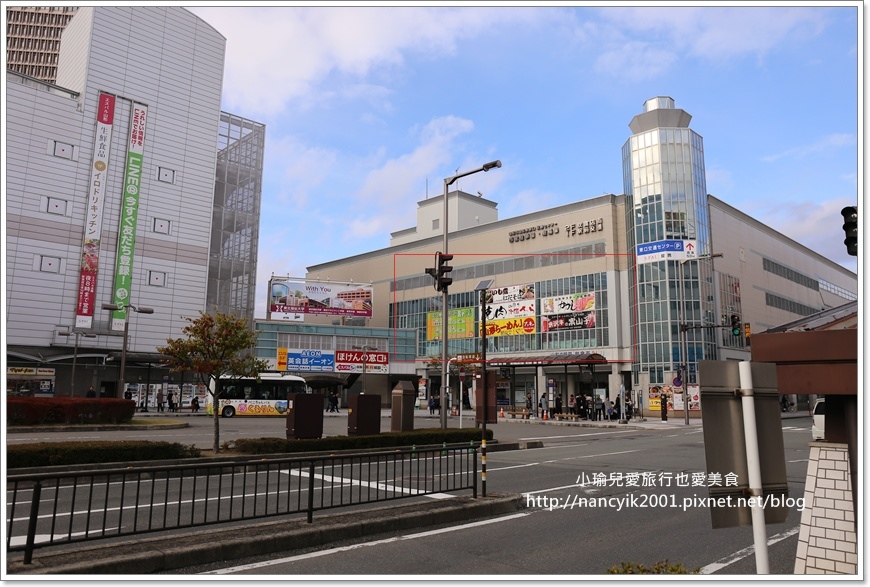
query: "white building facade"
110, 192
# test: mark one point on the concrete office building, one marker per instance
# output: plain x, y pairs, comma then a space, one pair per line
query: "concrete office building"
33, 39
126, 184
575, 308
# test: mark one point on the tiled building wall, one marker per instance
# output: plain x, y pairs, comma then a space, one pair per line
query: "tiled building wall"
828, 542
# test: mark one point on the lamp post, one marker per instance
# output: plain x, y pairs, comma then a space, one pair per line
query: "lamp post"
77, 334
448, 181
684, 329
365, 349
126, 309
482, 287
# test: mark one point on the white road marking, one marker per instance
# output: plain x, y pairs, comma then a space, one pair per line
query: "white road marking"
741, 554
490, 470
576, 435
329, 551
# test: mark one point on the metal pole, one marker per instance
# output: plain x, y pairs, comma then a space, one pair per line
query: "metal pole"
75, 357
753, 465
365, 358
485, 392
684, 343
124, 356
444, 366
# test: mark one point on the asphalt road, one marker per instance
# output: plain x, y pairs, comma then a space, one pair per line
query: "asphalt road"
573, 539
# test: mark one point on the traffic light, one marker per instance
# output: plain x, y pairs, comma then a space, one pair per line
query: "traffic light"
746, 332
850, 226
735, 324
439, 273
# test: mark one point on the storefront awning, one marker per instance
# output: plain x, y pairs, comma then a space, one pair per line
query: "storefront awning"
546, 360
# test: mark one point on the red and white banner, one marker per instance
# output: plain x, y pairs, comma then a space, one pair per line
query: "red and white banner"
90, 260
352, 361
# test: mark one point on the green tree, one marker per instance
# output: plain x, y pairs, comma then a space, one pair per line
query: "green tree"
214, 346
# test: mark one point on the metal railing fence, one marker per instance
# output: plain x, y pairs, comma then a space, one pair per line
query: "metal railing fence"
54, 508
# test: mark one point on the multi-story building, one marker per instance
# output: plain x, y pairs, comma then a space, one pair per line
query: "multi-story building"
126, 184
588, 297
33, 39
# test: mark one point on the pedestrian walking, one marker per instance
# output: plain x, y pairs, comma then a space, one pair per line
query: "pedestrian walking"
194, 404
431, 405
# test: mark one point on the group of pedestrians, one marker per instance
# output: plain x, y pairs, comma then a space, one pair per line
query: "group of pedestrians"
584, 406
332, 402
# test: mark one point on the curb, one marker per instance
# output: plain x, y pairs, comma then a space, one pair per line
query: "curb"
177, 550
96, 427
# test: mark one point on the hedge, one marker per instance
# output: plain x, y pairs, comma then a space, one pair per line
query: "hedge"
45, 454
30, 411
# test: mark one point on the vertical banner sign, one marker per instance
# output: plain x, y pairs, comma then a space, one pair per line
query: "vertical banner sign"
94, 212
129, 213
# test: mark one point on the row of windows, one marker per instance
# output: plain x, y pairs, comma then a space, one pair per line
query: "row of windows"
790, 274
517, 264
837, 290
47, 56
775, 301
48, 32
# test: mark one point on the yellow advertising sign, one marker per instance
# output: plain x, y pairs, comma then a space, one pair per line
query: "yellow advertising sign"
460, 324
282, 359
511, 326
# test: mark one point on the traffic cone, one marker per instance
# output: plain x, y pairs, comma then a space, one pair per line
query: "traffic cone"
501, 414
545, 415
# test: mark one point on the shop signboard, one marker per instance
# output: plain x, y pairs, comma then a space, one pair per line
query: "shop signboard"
460, 324
306, 360
568, 312
352, 361
129, 214
289, 296
94, 211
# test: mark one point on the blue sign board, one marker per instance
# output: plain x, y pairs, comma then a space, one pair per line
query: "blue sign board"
311, 361
666, 250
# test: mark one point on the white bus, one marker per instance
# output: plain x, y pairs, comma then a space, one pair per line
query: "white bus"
265, 395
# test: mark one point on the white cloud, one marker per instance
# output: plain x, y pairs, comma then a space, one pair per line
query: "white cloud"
828, 143
718, 33
281, 53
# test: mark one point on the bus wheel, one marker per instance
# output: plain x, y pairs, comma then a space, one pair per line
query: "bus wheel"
228, 412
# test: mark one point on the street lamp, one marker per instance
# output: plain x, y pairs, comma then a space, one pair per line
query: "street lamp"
684, 328
125, 309
444, 367
365, 359
77, 334
482, 287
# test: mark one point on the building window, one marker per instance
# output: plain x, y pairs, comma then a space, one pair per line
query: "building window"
49, 264
64, 150
161, 226
165, 175
157, 278
436, 224
56, 206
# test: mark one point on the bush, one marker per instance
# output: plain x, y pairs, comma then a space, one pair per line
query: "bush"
33, 411
659, 568
259, 446
45, 454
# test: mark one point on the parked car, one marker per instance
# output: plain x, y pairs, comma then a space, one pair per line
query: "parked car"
819, 420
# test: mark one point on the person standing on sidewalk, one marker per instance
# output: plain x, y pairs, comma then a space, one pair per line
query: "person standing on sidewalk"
160, 400
599, 408
543, 404
572, 405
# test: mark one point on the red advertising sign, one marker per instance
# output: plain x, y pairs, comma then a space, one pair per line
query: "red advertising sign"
90, 259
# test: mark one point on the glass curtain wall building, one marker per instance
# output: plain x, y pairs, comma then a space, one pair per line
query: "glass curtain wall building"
666, 193
235, 235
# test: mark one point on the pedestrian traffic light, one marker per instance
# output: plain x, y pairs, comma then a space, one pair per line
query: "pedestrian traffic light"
850, 226
735, 324
746, 332
439, 273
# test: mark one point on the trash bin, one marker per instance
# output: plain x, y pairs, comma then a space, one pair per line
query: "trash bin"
404, 400
363, 415
304, 415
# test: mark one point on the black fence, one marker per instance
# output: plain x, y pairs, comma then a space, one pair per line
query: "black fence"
47, 509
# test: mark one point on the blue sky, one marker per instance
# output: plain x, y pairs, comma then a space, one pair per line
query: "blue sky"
368, 108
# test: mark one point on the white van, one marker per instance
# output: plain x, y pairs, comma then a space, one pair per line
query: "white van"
819, 420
